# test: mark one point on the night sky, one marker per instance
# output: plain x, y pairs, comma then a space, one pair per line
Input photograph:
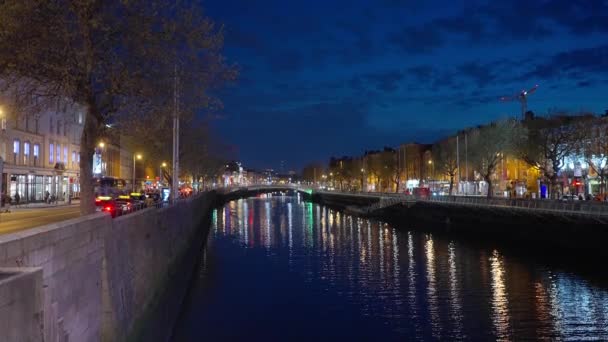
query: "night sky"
323, 78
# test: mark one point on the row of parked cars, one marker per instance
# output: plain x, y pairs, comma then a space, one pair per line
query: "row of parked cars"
124, 204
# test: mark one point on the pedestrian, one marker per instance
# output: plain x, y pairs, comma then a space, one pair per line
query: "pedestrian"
17, 198
47, 195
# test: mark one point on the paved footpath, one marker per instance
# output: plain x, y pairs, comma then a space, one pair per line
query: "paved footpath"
23, 217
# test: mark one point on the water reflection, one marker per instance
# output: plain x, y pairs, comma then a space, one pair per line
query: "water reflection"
419, 286
500, 303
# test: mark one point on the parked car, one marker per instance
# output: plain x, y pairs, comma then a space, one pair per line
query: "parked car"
125, 204
106, 204
567, 198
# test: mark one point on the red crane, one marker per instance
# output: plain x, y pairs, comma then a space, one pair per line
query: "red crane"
522, 97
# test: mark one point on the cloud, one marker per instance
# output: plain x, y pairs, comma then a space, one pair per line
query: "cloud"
418, 39
288, 60
499, 21
386, 81
571, 63
481, 74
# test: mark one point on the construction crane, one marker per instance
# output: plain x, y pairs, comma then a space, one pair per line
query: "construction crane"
522, 97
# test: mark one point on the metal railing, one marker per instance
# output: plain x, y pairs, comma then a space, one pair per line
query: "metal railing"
587, 208
385, 199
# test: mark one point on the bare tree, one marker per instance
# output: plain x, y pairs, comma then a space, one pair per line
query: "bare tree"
119, 60
487, 146
446, 160
595, 149
545, 143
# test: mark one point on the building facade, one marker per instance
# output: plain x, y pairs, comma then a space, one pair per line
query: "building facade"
41, 154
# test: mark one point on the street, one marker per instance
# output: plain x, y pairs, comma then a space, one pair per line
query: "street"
20, 219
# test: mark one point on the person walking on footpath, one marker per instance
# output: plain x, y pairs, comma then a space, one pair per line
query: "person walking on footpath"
17, 198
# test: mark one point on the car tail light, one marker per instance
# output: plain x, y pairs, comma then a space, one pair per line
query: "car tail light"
107, 208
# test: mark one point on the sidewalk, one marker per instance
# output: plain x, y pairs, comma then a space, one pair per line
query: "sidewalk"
39, 205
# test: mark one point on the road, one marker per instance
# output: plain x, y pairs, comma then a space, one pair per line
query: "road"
21, 219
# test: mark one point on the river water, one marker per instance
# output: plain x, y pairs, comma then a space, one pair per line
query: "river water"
280, 268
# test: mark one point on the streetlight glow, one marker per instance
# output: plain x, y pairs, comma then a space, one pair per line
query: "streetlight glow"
101, 144
138, 157
164, 165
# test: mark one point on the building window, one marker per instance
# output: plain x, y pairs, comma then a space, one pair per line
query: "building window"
78, 157
58, 153
80, 118
36, 154
73, 159
65, 155
51, 153
16, 144
37, 123
58, 127
26, 153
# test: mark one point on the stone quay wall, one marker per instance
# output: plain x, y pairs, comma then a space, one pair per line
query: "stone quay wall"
101, 278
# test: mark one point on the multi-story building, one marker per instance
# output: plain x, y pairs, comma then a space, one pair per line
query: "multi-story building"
412, 159
41, 154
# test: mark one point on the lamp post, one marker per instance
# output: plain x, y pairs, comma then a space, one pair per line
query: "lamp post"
362, 175
138, 157
160, 172
101, 146
431, 173
3, 124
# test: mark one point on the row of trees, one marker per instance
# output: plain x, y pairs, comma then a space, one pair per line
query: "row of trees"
121, 61
543, 143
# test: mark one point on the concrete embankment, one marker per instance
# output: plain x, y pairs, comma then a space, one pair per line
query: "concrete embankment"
542, 229
94, 278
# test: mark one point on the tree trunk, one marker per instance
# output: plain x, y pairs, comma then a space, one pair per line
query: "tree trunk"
490, 190
553, 187
88, 142
451, 184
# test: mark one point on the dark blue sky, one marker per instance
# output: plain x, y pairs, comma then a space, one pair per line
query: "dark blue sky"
322, 78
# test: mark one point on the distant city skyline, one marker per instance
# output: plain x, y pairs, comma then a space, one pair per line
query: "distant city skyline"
315, 84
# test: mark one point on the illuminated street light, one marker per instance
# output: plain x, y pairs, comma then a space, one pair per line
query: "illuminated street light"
138, 157
102, 145
160, 172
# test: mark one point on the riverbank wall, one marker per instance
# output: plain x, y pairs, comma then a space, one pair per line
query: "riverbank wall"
107, 279
543, 229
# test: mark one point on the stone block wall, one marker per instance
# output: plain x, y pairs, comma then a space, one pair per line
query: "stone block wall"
70, 255
142, 252
100, 277
21, 304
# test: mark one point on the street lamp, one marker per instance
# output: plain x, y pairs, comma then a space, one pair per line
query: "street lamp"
431, 171
3, 123
362, 174
160, 172
138, 156
101, 146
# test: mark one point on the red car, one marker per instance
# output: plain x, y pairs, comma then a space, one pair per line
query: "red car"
106, 204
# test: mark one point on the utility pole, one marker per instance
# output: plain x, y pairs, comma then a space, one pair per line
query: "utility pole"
175, 179
466, 165
458, 163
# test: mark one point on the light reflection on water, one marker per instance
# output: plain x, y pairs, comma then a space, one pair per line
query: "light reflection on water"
421, 286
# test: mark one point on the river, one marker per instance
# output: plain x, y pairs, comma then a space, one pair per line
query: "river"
279, 268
